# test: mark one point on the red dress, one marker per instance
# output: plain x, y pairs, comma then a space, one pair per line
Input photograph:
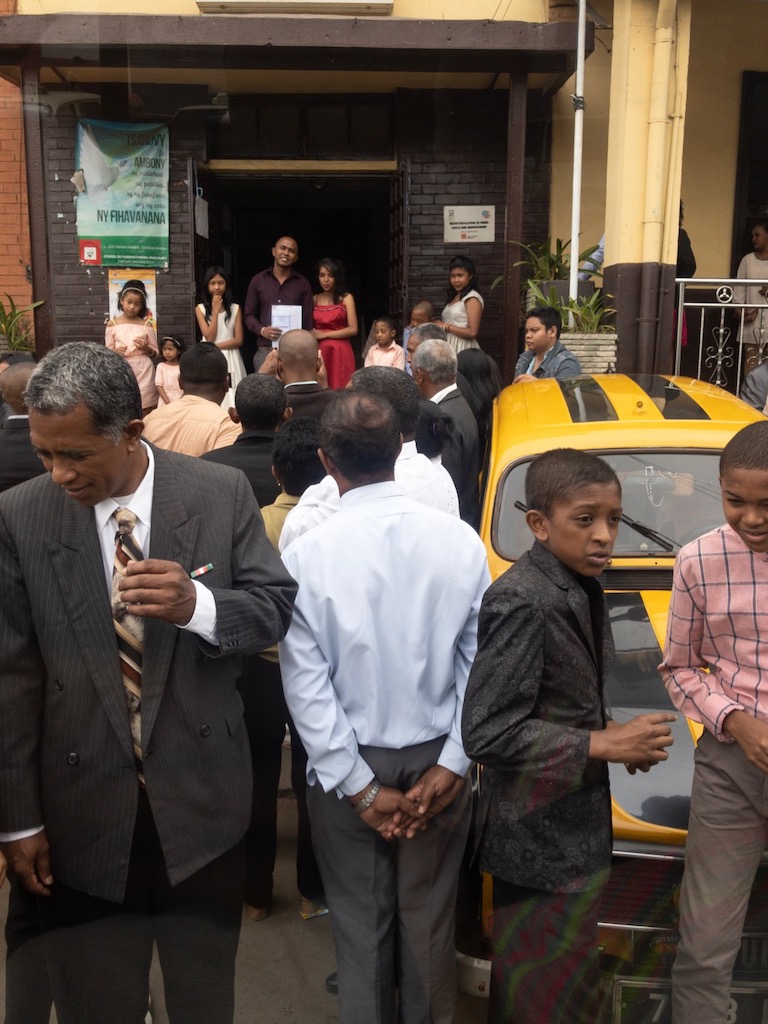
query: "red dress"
337, 353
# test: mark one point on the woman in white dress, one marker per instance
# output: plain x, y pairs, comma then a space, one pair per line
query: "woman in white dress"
463, 312
221, 324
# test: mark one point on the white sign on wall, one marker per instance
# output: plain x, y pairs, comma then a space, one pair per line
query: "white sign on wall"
469, 224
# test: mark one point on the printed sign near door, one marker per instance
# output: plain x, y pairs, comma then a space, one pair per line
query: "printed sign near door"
122, 206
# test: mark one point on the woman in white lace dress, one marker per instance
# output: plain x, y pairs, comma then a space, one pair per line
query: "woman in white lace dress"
463, 312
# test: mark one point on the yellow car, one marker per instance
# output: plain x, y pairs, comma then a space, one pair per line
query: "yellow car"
663, 437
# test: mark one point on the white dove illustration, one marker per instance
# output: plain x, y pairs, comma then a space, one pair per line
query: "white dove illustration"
99, 175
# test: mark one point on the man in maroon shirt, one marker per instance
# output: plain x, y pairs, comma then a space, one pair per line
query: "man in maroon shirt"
279, 285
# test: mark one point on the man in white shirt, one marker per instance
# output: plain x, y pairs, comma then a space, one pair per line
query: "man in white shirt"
377, 699
417, 476
125, 773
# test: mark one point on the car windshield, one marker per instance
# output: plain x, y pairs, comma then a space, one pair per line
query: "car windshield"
676, 494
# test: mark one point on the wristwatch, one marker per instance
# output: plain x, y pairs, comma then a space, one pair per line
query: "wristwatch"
370, 796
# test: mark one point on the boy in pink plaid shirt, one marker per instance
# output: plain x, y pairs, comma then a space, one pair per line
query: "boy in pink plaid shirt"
718, 620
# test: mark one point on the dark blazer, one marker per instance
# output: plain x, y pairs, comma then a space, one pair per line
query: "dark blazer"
18, 461
461, 455
251, 453
309, 399
534, 693
65, 743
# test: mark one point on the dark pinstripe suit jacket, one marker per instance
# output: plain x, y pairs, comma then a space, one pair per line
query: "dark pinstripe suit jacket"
65, 744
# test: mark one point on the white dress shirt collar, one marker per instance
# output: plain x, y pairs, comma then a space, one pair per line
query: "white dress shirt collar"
371, 492
140, 502
440, 395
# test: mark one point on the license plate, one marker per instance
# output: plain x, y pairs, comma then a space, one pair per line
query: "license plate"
649, 1002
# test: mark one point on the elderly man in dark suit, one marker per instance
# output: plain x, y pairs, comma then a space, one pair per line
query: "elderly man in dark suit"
18, 461
434, 370
124, 768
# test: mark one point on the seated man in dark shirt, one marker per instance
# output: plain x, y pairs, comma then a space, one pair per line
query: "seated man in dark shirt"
544, 356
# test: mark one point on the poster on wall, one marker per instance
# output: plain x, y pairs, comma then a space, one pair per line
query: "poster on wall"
469, 224
122, 205
118, 280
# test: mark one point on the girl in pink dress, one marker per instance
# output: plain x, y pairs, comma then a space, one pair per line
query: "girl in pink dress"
167, 372
335, 320
133, 337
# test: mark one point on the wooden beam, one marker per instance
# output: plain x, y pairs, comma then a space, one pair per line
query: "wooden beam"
513, 226
340, 44
38, 229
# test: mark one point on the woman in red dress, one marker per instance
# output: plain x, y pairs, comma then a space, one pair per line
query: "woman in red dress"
335, 319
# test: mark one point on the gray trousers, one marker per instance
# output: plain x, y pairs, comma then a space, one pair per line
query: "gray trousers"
727, 833
392, 904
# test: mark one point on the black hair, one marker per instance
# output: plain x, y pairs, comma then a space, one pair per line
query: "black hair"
762, 222
205, 295
203, 364
294, 454
433, 429
260, 402
134, 285
359, 432
483, 376
336, 269
178, 343
389, 320
16, 357
463, 263
400, 390
557, 475
748, 449
549, 316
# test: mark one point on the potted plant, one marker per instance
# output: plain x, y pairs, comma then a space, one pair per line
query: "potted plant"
585, 331
15, 329
549, 267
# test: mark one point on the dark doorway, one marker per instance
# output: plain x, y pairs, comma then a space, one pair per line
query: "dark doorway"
346, 217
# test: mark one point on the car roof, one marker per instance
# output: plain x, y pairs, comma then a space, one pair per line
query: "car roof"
601, 412
617, 398
614, 410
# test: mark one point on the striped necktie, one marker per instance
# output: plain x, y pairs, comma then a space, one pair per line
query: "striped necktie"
129, 629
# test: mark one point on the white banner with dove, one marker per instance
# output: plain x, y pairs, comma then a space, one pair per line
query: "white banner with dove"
122, 202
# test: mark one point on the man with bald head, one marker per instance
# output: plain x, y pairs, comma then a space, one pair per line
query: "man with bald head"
297, 363
278, 285
18, 461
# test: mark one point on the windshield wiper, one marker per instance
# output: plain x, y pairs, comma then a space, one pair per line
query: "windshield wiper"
646, 531
665, 543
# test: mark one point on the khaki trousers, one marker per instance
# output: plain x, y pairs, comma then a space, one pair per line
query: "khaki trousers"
727, 833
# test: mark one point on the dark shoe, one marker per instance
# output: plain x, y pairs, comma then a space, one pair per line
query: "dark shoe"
257, 913
332, 983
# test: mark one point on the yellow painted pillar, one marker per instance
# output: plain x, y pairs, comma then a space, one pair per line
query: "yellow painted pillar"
646, 119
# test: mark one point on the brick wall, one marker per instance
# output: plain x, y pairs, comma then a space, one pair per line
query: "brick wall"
80, 294
14, 222
455, 142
